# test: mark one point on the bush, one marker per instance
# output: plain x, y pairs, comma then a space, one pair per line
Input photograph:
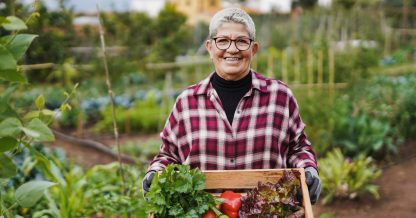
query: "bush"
362, 134
103, 192
145, 116
147, 149
347, 178
405, 116
69, 118
320, 114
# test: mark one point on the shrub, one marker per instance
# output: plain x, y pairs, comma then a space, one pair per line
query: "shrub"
147, 149
347, 178
145, 116
362, 134
69, 118
405, 117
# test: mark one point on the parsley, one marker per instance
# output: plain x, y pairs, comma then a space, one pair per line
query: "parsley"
179, 192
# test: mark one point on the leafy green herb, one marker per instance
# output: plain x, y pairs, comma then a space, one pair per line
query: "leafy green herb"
269, 200
179, 192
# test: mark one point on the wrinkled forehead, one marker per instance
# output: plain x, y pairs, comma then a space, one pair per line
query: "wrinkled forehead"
232, 30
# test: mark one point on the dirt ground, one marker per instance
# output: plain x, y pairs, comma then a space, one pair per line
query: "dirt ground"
397, 192
397, 183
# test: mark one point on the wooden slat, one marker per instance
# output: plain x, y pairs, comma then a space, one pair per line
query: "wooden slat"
305, 195
239, 179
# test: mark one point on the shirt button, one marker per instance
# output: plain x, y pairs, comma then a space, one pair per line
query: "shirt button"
232, 160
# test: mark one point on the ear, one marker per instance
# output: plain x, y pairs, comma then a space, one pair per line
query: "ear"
254, 48
208, 46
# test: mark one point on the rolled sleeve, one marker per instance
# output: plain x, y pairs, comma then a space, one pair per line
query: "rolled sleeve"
169, 150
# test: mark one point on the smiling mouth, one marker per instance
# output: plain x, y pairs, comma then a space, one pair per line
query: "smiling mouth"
232, 59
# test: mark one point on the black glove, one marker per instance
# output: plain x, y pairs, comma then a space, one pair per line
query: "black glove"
314, 184
147, 181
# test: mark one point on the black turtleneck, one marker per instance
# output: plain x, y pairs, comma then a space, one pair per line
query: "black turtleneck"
231, 92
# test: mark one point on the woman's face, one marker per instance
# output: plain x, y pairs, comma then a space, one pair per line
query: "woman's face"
231, 63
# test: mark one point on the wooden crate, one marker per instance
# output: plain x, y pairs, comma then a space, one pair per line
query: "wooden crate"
248, 179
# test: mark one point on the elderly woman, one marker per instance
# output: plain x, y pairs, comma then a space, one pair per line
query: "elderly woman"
235, 118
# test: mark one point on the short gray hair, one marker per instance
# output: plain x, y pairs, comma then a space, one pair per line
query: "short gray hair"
232, 15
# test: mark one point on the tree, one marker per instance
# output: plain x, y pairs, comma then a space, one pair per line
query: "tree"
171, 35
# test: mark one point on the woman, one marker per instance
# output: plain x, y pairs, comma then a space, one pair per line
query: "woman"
236, 118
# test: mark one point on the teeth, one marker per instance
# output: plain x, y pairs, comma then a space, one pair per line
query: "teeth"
232, 59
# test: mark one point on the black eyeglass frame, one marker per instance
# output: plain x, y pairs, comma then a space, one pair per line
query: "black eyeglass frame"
231, 42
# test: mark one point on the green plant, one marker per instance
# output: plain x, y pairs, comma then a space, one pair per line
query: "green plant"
179, 192
363, 134
148, 149
355, 63
70, 118
144, 116
22, 128
405, 116
347, 178
25, 161
15, 130
320, 113
274, 200
103, 195
78, 193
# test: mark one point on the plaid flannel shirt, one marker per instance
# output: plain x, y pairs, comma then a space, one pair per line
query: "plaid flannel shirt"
267, 131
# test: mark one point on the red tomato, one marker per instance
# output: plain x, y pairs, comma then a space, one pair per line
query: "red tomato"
231, 204
209, 214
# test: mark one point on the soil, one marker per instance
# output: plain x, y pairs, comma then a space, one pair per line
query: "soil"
397, 183
397, 192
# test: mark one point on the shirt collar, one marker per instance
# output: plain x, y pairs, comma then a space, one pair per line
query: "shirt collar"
259, 82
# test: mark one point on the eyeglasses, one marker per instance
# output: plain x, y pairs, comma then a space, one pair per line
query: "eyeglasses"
224, 43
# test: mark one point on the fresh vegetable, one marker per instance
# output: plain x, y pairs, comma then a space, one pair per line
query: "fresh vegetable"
231, 204
213, 212
179, 192
270, 200
209, 214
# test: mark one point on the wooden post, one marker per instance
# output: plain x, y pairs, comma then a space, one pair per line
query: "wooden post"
405, 19
309, 61
168, 84
320, 66
387, 41
168, 94
285, 76
310, 65
331, 70
270, 65
297, 65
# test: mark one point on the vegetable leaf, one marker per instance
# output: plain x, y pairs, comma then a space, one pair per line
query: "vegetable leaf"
270, 200
178, 191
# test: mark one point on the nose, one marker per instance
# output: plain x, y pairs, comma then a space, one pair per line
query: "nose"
233, 47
